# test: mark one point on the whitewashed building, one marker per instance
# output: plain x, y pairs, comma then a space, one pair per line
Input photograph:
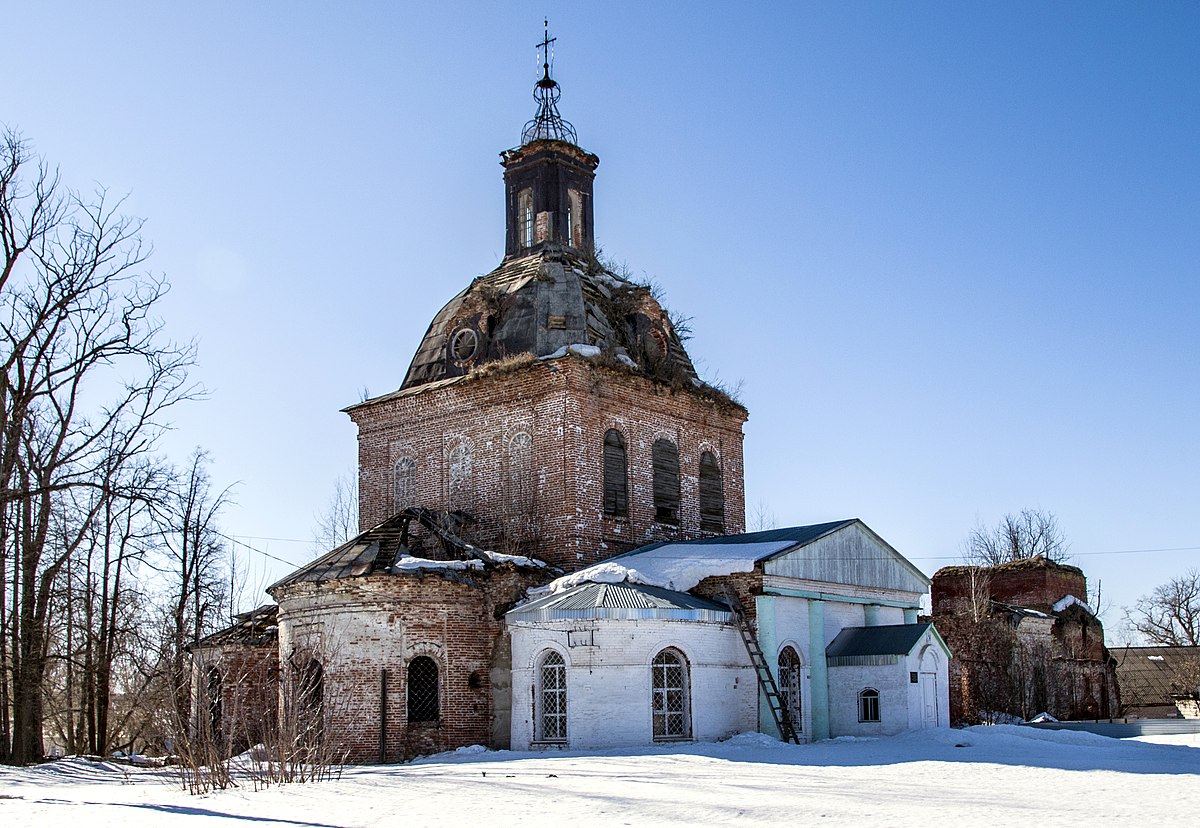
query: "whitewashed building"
646, 648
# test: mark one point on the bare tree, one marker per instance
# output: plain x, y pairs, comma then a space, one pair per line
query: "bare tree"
338, 522
1032, 533
1170, 615
196, 558
85, 380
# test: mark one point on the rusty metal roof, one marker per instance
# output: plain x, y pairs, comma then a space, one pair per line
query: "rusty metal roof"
623, 601
258, 626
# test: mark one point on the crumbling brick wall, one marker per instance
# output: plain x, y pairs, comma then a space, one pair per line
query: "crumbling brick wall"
1022, 663
249, 682
365, 632
566, 405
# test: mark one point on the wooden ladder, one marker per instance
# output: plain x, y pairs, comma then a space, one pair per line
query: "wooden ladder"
766, 681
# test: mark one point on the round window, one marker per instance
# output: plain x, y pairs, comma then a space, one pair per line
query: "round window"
464, 344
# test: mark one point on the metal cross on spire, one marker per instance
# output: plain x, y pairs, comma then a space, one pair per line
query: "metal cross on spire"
545, 47
548, 124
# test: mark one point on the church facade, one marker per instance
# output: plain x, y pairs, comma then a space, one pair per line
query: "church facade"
552, 517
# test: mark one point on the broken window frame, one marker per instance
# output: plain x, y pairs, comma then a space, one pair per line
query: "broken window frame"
665, 465
711, 494
616, 474
525, 218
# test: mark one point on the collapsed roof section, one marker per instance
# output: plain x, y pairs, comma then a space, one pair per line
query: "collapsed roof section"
258, 626
545, 302
396, 547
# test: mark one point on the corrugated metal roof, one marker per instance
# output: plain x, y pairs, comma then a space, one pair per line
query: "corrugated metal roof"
1151, 676
621, 601
888, 639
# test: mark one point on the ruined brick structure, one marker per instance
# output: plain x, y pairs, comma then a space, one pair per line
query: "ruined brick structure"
1024, 641
550, 418
235, 681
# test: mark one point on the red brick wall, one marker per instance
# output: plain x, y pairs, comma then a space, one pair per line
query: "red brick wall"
249, 690
1036, 584
359, 627
566, 405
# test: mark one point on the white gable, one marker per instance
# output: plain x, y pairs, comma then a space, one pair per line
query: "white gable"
852, 555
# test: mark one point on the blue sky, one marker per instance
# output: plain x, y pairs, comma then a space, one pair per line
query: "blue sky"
949, 250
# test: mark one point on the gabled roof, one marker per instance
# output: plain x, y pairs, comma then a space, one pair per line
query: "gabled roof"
782, 539
858, 557
624, 601
887, 639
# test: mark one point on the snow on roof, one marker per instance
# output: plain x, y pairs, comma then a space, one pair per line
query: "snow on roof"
676, 566
1069, 600
620, 600
407, 563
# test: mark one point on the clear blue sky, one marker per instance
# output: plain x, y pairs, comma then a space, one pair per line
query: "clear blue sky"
950, 249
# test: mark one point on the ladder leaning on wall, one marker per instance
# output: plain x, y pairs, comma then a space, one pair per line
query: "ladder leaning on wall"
766, 680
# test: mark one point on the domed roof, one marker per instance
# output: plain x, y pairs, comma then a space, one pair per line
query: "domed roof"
544, 303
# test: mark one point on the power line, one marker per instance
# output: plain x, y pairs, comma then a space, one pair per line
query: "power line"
254, 548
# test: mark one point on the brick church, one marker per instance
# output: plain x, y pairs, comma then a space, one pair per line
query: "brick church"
551, 509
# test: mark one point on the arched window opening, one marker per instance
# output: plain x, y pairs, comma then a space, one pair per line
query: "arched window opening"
423, 690
552, 698
214, 701
671, 691
519, 474
574, 218
712, 494
616, 475
789, 686
460, 484
868, 705
404, 484
525, 217
310, 704
665, 459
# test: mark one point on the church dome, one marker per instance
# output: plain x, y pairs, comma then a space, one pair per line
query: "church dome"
545, 303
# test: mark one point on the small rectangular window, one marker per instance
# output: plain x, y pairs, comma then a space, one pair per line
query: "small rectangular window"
912, 678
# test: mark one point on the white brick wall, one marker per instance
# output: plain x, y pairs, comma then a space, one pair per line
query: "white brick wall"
900, 700
609, 684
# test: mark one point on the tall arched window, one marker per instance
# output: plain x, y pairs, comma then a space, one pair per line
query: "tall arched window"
525, 217
789, 686
423, 690
616, 475
519, 474
404, 484
574, 218
460, 485
214, 701
712, 494
670, 708
552, 698
665, 459
868, 705
310, 703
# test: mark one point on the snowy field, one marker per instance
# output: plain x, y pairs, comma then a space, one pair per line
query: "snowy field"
996, 776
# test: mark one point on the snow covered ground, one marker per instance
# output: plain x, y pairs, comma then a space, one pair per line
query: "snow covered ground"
1001, 775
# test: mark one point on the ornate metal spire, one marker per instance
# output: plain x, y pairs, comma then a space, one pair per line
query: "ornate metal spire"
548, 124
